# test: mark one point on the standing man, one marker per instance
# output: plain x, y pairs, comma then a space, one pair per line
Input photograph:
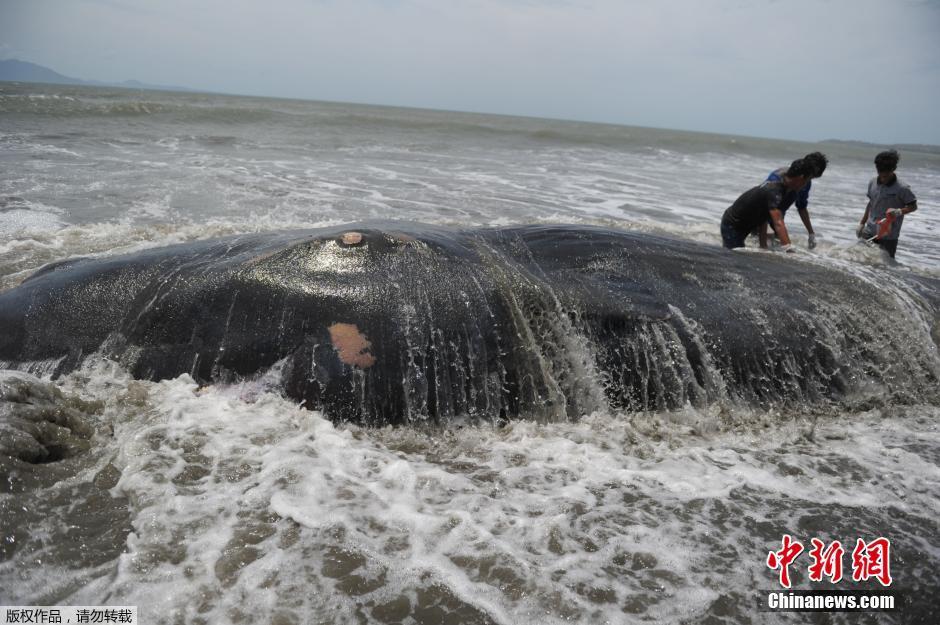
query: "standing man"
889, 200
760, 205
818, 162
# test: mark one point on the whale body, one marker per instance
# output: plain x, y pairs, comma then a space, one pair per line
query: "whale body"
395, 323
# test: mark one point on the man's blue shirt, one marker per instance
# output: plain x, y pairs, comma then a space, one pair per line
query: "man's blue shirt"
801, 197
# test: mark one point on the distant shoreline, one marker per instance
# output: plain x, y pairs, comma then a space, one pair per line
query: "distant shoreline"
926, 148
14, 70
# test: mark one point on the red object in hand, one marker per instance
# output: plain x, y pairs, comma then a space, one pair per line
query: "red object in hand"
884, 225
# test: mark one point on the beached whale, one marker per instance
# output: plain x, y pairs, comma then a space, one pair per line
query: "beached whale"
391, 323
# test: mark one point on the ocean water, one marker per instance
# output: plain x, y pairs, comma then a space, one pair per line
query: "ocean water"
232, 504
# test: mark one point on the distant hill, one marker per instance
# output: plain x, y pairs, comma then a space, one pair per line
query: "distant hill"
14, 70
21, 71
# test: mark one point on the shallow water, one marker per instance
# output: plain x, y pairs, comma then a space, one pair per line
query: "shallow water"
232, 504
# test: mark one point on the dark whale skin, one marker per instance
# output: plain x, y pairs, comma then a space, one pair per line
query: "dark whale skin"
408, 322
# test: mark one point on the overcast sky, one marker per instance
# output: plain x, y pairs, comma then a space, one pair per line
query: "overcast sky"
799, 69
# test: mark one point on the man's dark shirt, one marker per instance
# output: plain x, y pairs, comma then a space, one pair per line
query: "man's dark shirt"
753, 207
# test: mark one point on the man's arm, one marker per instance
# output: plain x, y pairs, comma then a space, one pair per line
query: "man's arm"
762, 235
776, 218
861, 225
804, 216
907, 209
811, 234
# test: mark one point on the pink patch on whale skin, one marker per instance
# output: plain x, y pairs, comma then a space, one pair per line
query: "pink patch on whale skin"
351, 238
352, 345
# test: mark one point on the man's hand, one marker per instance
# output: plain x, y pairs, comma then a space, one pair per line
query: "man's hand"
811, 241
860, 230
896, 212
787, 248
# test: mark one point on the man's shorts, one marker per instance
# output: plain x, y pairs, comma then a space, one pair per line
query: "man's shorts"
732, 238
888, 245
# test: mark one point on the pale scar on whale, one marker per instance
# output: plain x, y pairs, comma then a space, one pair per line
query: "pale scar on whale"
352, 345
351, 238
